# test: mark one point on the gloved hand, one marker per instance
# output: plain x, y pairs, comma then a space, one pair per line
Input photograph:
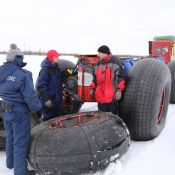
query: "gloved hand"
117, 95
48, 104
39, 114
36, 116
92, 93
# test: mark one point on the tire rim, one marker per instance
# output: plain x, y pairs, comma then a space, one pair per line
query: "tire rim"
67, 102
73, 121
162, 104
70, 84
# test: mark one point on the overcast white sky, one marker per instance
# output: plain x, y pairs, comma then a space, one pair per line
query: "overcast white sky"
81, 26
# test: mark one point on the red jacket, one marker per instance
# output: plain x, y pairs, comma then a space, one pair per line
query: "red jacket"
109, 76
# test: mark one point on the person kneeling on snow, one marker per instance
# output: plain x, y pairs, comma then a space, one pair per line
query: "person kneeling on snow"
18, 98
48, 85
108, 81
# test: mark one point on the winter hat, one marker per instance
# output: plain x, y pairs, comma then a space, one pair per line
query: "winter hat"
51, 54
13, 52
104, 49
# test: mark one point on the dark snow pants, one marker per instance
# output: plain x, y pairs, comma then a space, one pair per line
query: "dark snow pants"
108, 107
17, 126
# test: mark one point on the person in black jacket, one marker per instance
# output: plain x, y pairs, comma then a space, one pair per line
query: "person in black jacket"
49, 86
108, 81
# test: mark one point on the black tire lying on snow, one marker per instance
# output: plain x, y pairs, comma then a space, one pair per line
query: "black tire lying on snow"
68, 106
64, 146
34, 122
171, 66
145, 100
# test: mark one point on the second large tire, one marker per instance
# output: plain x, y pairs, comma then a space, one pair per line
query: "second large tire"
171, 66
145, 101
78, 143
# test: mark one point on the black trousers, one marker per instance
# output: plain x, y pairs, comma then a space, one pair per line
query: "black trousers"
108, 107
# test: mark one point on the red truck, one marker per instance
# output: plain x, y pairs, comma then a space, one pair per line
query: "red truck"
164, 46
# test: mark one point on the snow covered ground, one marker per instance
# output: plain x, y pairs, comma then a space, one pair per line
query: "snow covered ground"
143, 158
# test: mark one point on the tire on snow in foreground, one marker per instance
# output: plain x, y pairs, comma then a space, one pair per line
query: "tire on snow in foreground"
79, 143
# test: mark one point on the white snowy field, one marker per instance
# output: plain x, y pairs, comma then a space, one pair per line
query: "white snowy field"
154, 157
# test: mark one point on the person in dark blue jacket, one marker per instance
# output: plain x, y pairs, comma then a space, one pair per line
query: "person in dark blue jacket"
48, 85
19, 98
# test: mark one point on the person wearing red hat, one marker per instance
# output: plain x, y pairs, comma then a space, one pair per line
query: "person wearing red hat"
48, 85
53, 56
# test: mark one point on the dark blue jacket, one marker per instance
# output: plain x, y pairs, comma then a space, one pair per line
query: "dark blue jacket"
48, 84
16, 86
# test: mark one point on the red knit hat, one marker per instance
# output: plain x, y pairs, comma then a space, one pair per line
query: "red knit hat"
51, 54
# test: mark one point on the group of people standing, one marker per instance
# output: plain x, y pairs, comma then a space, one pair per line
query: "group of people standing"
19, 97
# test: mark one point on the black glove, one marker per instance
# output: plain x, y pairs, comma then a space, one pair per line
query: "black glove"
35, 117
39, 114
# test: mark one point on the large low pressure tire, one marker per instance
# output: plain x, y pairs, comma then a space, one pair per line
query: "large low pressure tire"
78, 143
145, 101
68, 105
171, 66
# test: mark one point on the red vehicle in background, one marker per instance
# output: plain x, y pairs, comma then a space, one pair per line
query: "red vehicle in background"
163, 46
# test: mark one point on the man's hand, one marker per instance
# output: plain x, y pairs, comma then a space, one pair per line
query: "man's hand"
92, 93
117, 95
39, 114
48, 104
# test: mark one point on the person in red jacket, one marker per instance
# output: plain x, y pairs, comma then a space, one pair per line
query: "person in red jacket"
108, 82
